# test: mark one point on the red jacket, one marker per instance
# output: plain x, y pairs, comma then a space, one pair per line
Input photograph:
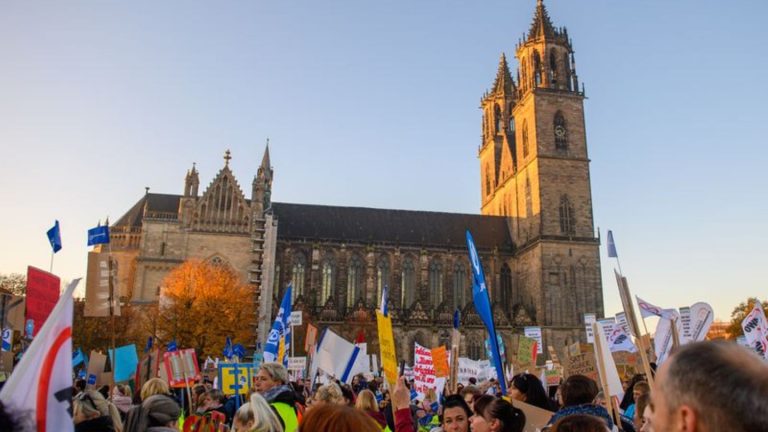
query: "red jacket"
404, 421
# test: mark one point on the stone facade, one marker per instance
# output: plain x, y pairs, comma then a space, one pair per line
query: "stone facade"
535, 234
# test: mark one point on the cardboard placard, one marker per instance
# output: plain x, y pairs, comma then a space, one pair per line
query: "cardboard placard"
181, 367
526, 351
440, 361
234, 378
582, 363
535, 418
96, 364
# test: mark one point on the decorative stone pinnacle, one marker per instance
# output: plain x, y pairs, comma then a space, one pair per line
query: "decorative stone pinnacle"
227, 157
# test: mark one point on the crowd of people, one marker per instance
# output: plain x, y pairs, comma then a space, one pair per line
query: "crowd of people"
709, 386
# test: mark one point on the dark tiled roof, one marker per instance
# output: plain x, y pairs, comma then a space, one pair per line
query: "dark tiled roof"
404, 227
359, 224
157, 203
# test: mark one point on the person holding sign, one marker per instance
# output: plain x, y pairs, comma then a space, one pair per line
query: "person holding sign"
528, 388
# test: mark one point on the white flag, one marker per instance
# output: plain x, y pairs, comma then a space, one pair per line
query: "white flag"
755, 328
618, 339
649, 310
41, 384
332, 354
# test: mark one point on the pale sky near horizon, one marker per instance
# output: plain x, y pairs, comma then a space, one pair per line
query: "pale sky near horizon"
375, 104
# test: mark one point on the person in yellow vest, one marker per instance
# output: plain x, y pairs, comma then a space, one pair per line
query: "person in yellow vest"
272, 382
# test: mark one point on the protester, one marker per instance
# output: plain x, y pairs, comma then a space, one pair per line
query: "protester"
121, 397
157, 413
272, 383
328, 393
640, 388
337, 418
641, 403
154, 386
498, 415
580, 423
349, 395
712, 386
256, 416
456, 414
401, 405
528, 388
468, 393
366, 402
214, 401
92, 412
577, 393
647, 414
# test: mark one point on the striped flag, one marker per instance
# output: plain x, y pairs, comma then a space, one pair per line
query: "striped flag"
383, 304
649, 310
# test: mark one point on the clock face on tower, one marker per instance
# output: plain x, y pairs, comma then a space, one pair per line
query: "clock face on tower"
559, 131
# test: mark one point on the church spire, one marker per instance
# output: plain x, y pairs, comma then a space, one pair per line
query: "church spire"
265, 163
542, 25
503, 82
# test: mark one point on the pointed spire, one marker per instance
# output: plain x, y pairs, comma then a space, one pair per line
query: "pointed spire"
265, 160
503, 81
542, 25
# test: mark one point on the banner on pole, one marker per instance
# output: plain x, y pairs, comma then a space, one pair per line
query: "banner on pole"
423, 370
181, 367
42, 295
234, 378
387, 348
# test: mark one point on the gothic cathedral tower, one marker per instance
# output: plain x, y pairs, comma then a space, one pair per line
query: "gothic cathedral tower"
535, 171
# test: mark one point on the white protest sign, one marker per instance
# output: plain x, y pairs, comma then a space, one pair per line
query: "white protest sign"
702, 316
423, 371
589, 318
621, 319
295, 318
685, 325
535, 333
755, 326
468, 368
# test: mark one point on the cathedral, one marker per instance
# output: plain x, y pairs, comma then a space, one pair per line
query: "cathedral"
534, 233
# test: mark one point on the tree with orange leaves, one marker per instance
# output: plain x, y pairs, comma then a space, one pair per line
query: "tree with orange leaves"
201, 304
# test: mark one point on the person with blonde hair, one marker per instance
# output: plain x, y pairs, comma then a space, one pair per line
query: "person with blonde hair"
92, 412
366, 402
329, 393
271, 381
256, 416
154, 386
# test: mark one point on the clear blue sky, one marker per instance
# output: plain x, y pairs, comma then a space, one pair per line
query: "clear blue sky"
376, 104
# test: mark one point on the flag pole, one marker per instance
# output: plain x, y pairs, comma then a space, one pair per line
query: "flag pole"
50, 270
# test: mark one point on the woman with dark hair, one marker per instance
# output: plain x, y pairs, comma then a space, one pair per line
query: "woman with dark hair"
580, 423
456, 414
578, 393
496, 415
527, 388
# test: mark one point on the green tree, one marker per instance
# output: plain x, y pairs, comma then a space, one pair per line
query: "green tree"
740, 312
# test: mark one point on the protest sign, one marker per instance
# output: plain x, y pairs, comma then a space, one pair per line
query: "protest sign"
589, 318
126, 360
526, 351
702, 316
553, 377
387, 348
553, 354
423, 370
621, 319
755, 326
96, 365
468, 368
440, 361
581, 361
42, 295
181, 367
535, 417
234, 378
535, 333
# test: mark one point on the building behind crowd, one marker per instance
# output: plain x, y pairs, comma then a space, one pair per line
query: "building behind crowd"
534, 233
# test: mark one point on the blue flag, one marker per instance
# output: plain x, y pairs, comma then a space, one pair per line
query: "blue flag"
281, 331
98, 235
171, 347
228, 349
611, 246
383, 304
149, 344
456, 319
483, 307
54, 237
77, 358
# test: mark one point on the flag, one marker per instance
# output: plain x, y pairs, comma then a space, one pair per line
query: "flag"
149, 345
7, 343
228, 353
332, 354
456, 319
54, 237
649, 310
611, 246
98, 235
41, 384
171, 347
384, 307
483, 307
278, 342
755, 328
77, 358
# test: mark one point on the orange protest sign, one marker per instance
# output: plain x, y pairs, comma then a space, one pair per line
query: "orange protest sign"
440, 361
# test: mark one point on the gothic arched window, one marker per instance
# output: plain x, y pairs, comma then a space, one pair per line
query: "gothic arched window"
528, 199
326, 282
487, 179
459, 285
297, 275
567, 223
506, 285
567, 69
561, 132
435, 283
474, 348
497, 119
382, 277
552, 68
536, 69
354, 281
407, 283
525, 138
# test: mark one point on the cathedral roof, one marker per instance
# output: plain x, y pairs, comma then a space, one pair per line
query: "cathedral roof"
503, 81
359, 224
542, 25
403, 227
